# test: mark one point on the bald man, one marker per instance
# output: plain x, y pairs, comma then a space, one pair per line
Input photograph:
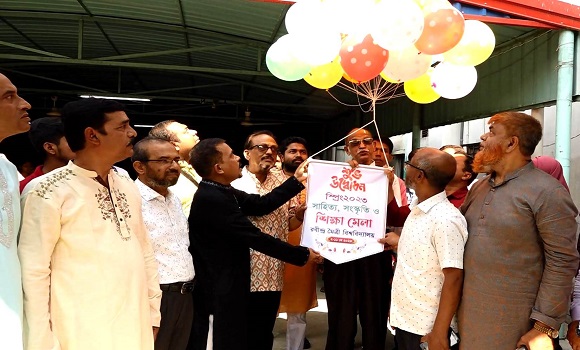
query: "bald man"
428, 279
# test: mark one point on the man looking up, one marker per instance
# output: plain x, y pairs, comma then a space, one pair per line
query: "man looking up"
47, 137
464, 175
428, 278
184, 140
156, 163
88, 270
221, 242
267, 273
520, 258
299, 292
398, 186
13, 120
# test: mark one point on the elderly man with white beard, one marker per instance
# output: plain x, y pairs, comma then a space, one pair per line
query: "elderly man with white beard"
520, 257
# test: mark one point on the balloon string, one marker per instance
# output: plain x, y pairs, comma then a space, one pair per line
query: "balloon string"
378, 91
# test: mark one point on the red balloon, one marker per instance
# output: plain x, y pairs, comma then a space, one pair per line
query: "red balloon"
443, 30
362, 60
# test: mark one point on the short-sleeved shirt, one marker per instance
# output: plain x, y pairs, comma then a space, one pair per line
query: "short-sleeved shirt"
433, 238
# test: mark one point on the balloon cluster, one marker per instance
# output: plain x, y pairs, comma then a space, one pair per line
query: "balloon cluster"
425, 44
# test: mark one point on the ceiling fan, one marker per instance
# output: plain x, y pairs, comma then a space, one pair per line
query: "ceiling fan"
54, 112
247, 121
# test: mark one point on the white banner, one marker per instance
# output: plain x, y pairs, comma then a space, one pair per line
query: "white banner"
346, 210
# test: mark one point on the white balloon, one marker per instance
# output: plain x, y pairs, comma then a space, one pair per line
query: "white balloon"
317, 48
350, 16
397, 23
407, 64
309, 16
452, 81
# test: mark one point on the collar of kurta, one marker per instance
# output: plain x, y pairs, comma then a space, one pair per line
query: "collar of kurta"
428, 203
514, 174
85, 172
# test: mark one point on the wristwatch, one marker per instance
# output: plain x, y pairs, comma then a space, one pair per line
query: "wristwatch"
551, 332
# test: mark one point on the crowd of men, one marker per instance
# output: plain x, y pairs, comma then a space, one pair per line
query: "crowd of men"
200, 253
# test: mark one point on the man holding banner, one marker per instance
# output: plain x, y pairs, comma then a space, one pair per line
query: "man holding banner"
361, 285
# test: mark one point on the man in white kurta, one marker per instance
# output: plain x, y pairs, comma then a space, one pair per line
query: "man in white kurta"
13, 120
88, 269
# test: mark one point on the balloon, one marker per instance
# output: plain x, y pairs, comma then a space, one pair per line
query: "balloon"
419, 90
325, 76
349, 16
317, 48
306, 17
388, 79
451, 81
347, 77
281, 61
399, 23
444, 27
475, 46
362, 59
406, 64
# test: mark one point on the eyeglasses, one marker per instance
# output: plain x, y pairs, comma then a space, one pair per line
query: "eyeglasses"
164, 161
264, 148
416, 167
355, 142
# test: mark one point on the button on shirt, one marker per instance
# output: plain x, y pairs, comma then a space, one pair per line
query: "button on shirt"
168, 229
433, 238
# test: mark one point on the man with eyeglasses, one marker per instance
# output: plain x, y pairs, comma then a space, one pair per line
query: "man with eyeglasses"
260, 176
156, 163
360, 286
184, 139
456, 190
428, 279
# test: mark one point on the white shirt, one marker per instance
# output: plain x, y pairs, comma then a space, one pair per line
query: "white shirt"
432, 239
169, 233
89, 273
185, 188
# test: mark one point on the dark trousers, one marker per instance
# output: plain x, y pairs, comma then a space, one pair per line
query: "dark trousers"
176, 321
361, 285
262, 312
410, 341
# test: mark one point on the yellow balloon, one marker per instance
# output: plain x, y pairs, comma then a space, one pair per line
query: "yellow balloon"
475, 46
325, 76
420, 90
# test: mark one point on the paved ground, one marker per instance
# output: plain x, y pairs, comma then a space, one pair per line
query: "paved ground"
317, 327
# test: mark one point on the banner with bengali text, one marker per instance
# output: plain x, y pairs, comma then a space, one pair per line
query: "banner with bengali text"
346, 210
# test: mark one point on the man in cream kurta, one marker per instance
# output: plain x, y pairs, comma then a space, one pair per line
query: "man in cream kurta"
13, 120
88, 269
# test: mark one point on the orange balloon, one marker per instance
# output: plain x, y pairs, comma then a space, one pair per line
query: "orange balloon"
444, 27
